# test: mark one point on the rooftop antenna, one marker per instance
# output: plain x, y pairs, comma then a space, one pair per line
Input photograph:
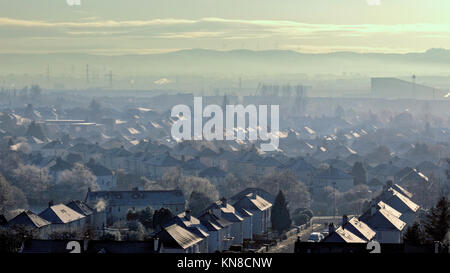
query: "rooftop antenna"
87, 73
110, 78
48, 73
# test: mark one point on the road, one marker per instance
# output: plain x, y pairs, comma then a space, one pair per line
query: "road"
287, 246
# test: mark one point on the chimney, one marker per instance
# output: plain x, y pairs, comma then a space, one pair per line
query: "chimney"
187, 214
331, 228
155, 244
344, 219
373, 210
224, 201
50, 203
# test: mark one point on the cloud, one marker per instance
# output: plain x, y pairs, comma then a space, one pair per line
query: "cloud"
211, 32
373, 2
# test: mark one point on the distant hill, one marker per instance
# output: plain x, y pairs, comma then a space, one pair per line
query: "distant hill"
209, 62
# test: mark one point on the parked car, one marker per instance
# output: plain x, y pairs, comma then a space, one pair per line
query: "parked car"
315, 237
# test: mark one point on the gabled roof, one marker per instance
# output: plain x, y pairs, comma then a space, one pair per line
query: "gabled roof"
400, 202
212, 222
194, 164
80, 207
252, 202
343, 235
60, 165
60, 214
213, 172
360, 229
98, 170
28, 218
385, 217
414, 175
175, 236
258, 191
164, 160
227, 211
402, 190
333, 173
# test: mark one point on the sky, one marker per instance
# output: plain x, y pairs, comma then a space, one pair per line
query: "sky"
116, 27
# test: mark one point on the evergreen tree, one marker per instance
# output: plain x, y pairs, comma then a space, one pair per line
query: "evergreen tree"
438, 220
161, 217
198, 201
414, 235
280, 218
359, 174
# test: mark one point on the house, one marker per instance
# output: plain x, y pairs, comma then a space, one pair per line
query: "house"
385, 221
342, 235
402, 190
95, 219
261, 210
358, 228
301, 168
176, 239
223, 209
57, 166
213, 173
219, 230
55, 148
117, 203
62, 217
29, 219
400, 203
413, 176
191, 223
157, 166
193, 167
106, 179
333, 177
258, 191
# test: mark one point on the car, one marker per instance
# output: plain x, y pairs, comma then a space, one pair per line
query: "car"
315, 237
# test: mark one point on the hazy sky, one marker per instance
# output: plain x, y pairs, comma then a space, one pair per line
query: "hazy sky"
147, 26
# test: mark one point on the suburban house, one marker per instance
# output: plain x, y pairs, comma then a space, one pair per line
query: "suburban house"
385, 221
333, 177
29, 219
219, 230
223, 209
402, 204
176, 239
191, 223
261, 210
358, 228
95, 219
62, 217
342, 235
117, 203
106, 179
